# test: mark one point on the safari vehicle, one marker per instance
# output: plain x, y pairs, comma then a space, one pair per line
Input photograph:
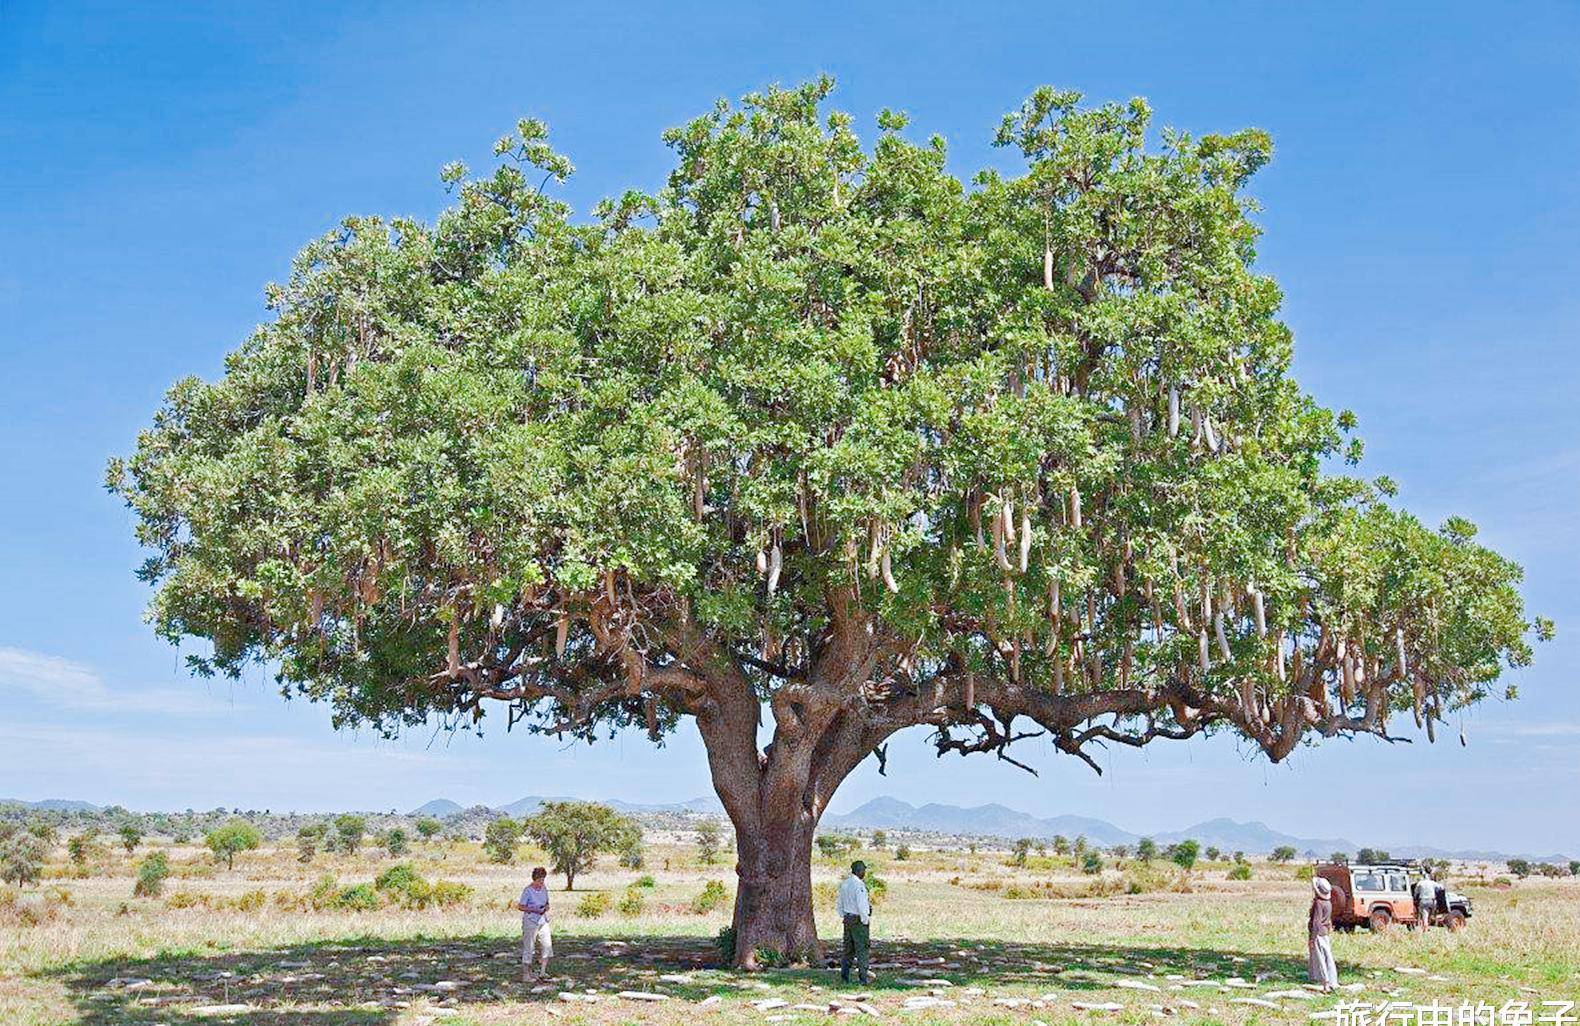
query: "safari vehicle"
1378, 896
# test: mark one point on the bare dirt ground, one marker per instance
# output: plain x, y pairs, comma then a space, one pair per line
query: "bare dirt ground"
955, 940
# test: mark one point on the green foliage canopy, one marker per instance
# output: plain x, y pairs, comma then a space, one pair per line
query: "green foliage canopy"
575, 833
231, 839
823, 422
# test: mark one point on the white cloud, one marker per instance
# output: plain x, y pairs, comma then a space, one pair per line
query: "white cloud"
65, 683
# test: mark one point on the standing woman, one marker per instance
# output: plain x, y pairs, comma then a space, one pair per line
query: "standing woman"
1319, 936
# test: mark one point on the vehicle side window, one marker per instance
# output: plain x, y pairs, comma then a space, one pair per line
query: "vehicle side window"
1368, 882
1396, 882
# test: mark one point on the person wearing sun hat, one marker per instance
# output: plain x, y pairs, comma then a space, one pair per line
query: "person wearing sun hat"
1319, 936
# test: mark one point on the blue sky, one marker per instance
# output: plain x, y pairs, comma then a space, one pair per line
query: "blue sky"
159, 164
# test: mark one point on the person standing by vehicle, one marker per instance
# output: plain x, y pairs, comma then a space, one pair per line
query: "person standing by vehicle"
1319, 937
535, 933
1425, 894
854, 906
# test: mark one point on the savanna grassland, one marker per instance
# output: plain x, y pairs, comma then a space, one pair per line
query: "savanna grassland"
958, 936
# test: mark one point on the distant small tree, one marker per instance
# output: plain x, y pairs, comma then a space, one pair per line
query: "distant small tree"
633, 855
1212, 854
22, 855
131, 836
308, 838
1520, 867
396, 842
1184, 853
1239, 856
428, 828
231, 839
1282, 853
500, 840
903, 852
1078, 848
349, 831
708, 842
1146, 849
1370, 855
880, 840
1574, 867
834, 846
1061, 844
1092, 863
1022, 849
151, 875
84, 847
1338, 856
1120, 850
575, 833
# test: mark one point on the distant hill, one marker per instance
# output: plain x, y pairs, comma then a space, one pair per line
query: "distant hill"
438, 808
979, 821
1000, 821
1254, 837
52, 805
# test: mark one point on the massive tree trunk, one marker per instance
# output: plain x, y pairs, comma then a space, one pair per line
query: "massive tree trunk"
774, 798
773, 896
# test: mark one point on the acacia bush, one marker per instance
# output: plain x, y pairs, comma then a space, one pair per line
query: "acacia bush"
151, 875
632, 902
594, 904
712, 895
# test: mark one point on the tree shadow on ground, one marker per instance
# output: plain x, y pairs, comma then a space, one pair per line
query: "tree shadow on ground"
368, 981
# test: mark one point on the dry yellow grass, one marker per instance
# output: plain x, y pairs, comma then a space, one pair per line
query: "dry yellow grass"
1006, 960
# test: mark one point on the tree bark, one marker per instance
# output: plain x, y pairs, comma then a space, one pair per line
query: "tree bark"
773, 896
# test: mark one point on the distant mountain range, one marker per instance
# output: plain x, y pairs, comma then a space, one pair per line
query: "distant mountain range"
52, 805
1000, 821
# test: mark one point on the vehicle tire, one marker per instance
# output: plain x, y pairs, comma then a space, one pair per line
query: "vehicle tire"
1455, 921
1380, 920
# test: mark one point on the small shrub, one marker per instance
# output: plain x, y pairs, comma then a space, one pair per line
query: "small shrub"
449, 893
709, 898
250, 901
152, 873
398, 877
645, 882
1304, 872
187, 899
358, 898
594, 904
1091, 863
632, 902
725, 942
877, 887
903, 852
1240, 871
1150, 876
324, 893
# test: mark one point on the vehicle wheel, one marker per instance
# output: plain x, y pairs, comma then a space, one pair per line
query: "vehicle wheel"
1380, 920
1455, 921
